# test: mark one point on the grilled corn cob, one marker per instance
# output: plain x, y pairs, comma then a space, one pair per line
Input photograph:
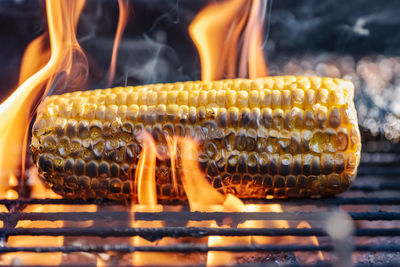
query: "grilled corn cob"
281, 136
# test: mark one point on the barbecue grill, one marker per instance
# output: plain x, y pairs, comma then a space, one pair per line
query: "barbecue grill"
100, 232
373, 203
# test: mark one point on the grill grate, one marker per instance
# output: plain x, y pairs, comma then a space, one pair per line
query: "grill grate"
372, 199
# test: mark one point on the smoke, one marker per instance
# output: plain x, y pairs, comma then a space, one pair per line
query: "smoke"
140, 60
147, 52
148, 62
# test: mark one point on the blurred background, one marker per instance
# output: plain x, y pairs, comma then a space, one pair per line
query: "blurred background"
357, 40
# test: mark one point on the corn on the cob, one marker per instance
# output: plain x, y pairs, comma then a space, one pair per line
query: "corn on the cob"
281, 136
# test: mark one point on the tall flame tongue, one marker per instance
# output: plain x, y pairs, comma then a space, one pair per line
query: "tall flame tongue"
145, 177
217, 32
51, 62
122, 21
38, 78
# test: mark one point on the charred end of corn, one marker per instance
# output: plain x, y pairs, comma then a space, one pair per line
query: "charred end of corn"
276, 136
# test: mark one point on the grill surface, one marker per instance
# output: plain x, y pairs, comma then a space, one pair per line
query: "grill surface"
372, 202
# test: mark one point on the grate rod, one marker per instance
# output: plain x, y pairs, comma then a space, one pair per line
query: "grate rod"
237, 217
189, 248
305, 201
158, 233
377, 187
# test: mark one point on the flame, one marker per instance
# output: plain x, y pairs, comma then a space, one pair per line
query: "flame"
38, 191
313, 239
229, 38
36, 55
56, 57
252, 52
216, 32
146, 172
145, 176
122, 21
194, 183
203, 197
231, 204
51, 62
16, 111
172, 144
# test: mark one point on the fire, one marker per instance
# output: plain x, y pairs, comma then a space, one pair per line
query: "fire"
122, 21
314, 240
37, 79
253, 42
51, 62
201, 197
36, 55
194, 182
197, 187
145, 177
217, 32
146, 172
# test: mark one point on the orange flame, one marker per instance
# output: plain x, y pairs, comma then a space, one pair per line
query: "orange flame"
122, 21
252, 52
145, 177
50, 59
36, 55
203, 197
195, 184
16, 110
146, 172
314, 240
216, 32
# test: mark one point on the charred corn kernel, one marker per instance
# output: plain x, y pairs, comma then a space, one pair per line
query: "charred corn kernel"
281, 136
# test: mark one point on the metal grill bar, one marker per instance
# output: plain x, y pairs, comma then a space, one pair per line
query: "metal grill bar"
238, 217
378, 169
371, 188
176, 232
388, 184
190, 248
306, 201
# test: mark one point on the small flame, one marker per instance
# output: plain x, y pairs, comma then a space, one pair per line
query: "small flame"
194, 183
231, 204
38, 191
122, 21
252, 52
216, 32
146, 172
172, 145
313, 239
